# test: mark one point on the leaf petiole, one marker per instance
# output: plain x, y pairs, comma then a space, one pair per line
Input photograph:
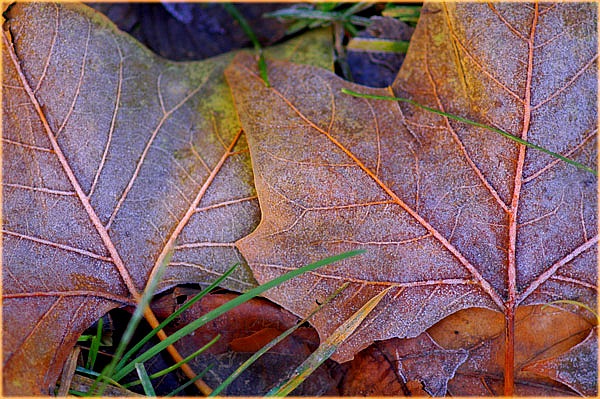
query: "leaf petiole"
473, 123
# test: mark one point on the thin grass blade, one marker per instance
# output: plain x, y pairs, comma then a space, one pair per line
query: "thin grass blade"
190, 382
172, 316
135, 320
176, 365
95, 345
262, 64
327, 348
572, 302
378, 45
403, 13
473, 123
231, 304
146, 383
273, 342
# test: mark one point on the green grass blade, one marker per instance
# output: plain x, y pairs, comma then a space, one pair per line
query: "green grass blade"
297, 26
230, 305
146, 383
403, 13
473, 123
273, 342
172, 316
356, 8
176, 365
96, 374
262, 64
327, 348
303, 14
77, 393
327, 6
85, 338
95, 345
190, 382
135, 320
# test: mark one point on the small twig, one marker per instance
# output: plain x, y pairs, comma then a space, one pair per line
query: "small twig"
68, 372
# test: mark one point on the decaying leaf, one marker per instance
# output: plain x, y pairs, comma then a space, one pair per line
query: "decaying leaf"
452, 216
401, 363
244, 330
112, 157
540, 333
573, 367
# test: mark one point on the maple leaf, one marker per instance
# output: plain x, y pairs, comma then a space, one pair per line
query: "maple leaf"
112, 157
453, 216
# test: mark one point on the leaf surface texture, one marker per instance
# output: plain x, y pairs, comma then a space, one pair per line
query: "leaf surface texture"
112, 157
452, 216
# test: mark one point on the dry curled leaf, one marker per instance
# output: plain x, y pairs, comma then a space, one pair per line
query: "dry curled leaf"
112, 157
452, 216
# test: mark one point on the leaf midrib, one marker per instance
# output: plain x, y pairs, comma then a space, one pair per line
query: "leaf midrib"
83, 198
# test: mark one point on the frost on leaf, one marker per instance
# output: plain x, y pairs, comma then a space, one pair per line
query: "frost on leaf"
452, 216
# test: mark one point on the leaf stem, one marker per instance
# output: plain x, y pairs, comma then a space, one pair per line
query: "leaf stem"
473, 123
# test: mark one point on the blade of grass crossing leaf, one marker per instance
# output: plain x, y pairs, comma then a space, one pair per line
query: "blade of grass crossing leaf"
176, 365
473, 123
95, 345
146, 383
174, 315
327, 348
190, 382
273, 342
137, 316
572, 302
231, 304
262, 64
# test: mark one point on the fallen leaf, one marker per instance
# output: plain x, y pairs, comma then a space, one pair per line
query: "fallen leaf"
539, 333
111, 158
405, 364
573, 367
244, 330
370, 374
452, 216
